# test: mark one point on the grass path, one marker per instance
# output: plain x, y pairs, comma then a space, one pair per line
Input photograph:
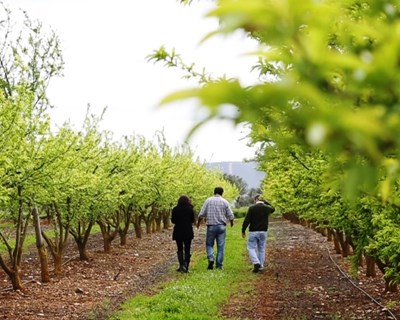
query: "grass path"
199, 294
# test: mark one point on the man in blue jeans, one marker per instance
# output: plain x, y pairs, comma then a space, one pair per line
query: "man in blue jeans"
257, 220
217, 212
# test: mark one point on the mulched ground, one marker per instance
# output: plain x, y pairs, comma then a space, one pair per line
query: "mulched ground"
301, 281
304, 279
88, 290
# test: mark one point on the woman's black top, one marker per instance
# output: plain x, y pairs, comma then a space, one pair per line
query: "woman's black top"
183, 218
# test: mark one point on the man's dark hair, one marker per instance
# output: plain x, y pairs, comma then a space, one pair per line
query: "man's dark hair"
219, 190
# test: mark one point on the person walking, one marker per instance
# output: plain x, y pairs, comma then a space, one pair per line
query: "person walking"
217, 212
183, 219
256, 219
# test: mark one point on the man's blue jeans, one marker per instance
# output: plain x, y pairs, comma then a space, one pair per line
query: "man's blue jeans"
216, 233
256, 245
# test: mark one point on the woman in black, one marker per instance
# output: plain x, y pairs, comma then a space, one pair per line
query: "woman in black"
183, 219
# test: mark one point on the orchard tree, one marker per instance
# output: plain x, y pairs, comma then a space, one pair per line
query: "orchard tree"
30, 56
132, 165
55, 198
29, 59
22, 132
85, 190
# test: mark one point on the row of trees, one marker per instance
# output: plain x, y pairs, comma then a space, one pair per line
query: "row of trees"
324, 113
76, 179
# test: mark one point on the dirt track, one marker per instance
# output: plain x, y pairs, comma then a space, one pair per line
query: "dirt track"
302, 281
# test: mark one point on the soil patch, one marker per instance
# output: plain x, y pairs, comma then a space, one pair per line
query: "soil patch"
304, 279
90, 290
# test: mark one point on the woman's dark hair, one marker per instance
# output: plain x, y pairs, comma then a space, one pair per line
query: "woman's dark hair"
183, 200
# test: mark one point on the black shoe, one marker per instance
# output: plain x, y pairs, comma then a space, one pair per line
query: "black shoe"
187, 261
256, 267
181, 268
210, 265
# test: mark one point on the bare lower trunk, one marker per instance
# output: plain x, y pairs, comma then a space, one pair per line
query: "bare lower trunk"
44, 265
109, 233
323, 231
345, 247
107, 245
40, 244
81, 236
166, 219
83, 255
390, 285
370, 267
158, 224
336, 243
16, 281
137, 225
329, 235
148, 226
123, 232
58, 267
123, 237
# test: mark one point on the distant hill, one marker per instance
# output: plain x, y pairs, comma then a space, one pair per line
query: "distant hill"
245, 170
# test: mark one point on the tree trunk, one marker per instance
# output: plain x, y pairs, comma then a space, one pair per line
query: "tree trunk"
58, 266
336, 242
147, 221
329, 235
150, 220
158, 227
108, 235
370, 267
166, 219
43, 258
294, 218
153, 226
83, 255
107, 244
148, 226
137, 225
81, 237
123, 230
16, 281
13, 273
57, 245
123, 236
324, 231
349, 241
390, 285
313, 226
343, 244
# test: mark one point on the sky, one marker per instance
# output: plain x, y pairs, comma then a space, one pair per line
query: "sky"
105, 45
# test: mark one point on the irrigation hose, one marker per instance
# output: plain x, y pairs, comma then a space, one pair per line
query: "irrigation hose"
361, 289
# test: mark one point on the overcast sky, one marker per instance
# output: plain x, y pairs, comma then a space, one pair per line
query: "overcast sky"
105, 44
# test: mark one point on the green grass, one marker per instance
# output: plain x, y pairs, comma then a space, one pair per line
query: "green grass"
29, 240
199, 294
